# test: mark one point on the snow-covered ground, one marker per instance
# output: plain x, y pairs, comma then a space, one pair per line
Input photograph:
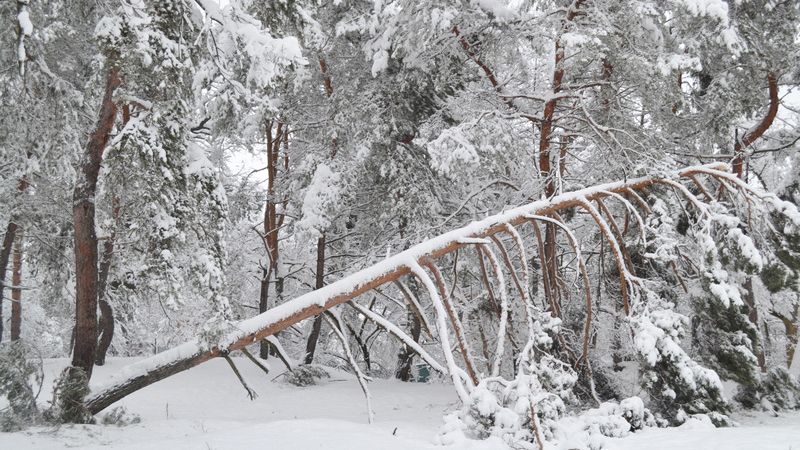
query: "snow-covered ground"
207, 408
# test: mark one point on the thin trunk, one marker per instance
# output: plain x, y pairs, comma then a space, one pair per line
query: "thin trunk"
16, 292
405, 358
749, 298
5, 256
313, 337
311, 344
790, 325
272, 224
545, 167
86, 274
264, 347
5, 251
106, 311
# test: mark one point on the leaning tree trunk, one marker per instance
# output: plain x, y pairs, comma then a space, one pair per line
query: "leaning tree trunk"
263, 326
86, 272
16, 292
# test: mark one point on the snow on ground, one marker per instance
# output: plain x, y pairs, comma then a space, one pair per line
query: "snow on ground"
207, 408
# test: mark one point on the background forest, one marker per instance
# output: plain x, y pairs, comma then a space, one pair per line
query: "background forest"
169, 168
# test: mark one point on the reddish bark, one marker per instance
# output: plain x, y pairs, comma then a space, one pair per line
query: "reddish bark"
86, 271
751, 136
545, 168
5, 251
16, 292
272, 223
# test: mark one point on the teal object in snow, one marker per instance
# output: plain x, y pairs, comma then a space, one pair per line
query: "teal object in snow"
423, 373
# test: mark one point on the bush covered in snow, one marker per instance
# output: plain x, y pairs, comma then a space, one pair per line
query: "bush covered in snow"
18, 376
677, 384
306, 375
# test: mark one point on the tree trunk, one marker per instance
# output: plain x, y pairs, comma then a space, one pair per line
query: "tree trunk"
790, 325
546, 171
738, 163
16, 292
313, 337
272, 225
406, 356
106, 312
5, 251
86, 273
749, 299
751, 136
5, 256
311, 344
263, 299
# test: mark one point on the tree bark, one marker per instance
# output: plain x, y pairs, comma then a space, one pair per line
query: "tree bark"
311, 344
86, 272
16, 292
5, 256
545, 166
5, 252
272, 224
751, 136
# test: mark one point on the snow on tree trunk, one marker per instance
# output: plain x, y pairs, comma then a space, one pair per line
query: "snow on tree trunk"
190, 354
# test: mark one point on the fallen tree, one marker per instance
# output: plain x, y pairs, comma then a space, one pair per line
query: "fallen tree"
424, 255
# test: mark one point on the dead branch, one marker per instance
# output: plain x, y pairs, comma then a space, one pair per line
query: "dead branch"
250, 393
454, 322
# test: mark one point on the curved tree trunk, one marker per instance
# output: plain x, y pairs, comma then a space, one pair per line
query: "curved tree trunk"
753, 134
738, 168
106, 331
86, 272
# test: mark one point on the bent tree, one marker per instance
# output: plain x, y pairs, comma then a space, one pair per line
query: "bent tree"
86, 255
530, 346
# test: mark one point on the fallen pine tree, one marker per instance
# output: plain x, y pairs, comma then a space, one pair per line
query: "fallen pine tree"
704, 188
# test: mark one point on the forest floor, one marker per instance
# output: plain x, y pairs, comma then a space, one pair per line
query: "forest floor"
207, 408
